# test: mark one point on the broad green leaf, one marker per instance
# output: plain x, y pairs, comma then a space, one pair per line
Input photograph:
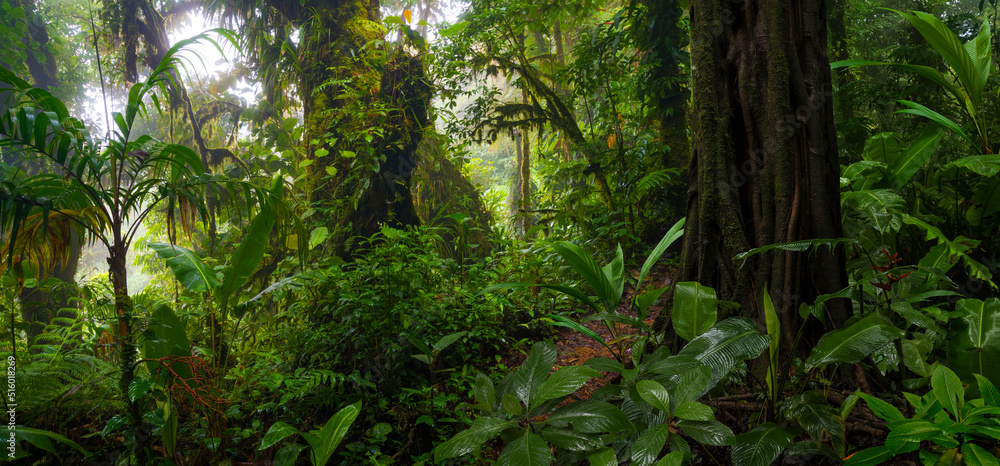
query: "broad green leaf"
652, 392
646, 299
603, 457
726, 344
527, 450
947, 44
168, 432
562, 321
482, 429
672, 235
449, 339
915, 156
851, 344
984, 165
920, 110
511, 405
43, 439
590, 416
694, 310
485, 392
317, 236
958, 247
774, 335
707, 432
678, 444
869, 457
324, 441
974, 347
762, 445
913, 359
692, 385
524, 381
948, 390
288, 454
608, 292
563, 382
672, 459
802, 245
905, 435
454, 29
603, 364
246, 260
975, 455
863, 174
614, 272
168, 337
882, 409
187, 267
694, 411
649, 445
817, 417
569, 439
278, 432
988, 391
882, 148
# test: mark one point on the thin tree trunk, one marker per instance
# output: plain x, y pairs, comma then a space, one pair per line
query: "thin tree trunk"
524, 171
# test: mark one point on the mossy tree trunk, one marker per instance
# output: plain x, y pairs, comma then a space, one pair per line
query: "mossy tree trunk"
368, 121
764, 166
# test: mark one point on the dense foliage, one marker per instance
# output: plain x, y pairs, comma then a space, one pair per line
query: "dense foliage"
450, 233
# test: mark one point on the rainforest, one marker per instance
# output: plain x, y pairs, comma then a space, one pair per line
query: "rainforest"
518, 232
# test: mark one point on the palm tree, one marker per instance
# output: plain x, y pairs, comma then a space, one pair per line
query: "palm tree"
101, 190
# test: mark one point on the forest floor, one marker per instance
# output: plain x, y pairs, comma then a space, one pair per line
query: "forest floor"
575, 348
862, 428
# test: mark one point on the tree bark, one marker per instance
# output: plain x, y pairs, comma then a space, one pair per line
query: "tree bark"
764, 166
358, 198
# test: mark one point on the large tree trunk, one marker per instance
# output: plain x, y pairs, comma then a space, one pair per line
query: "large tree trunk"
358, 197
764, 166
